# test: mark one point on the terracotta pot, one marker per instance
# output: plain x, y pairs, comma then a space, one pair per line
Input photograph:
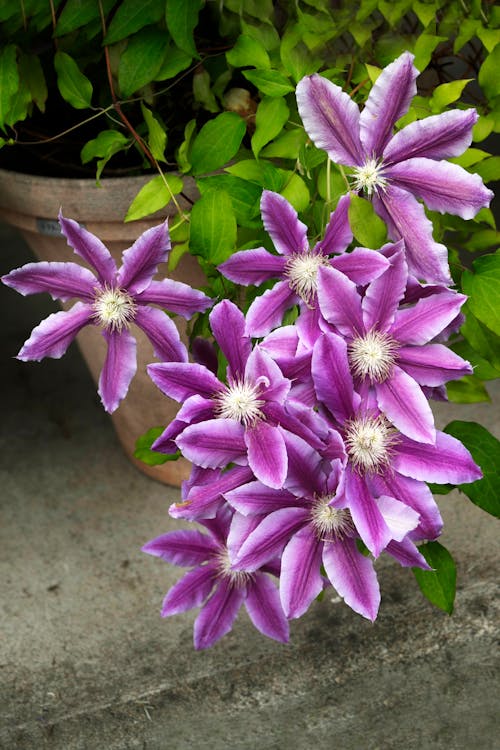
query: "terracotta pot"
31, 204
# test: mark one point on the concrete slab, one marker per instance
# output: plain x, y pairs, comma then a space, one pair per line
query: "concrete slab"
86, 661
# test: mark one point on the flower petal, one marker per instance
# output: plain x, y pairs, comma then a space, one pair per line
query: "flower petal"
399, 517
366, 514
448, 462
213, 443
266, 312
384, 294
289, 235
175, 296
331, 119
415, 495
432, 364
162, 333
339, 302
267, 455
300, 579
353, 577
228, 326
119, 368
443, 186
53, 335
424, 321
255, 498
180, 380
405, 218
407, 555
389, 99
437, 137
361, 265
140, 261
338, 232
61, 280
217, 616
252, 266
191, 591
269, 538
184, 547
332, 376
401, 399
264, 608
90, 248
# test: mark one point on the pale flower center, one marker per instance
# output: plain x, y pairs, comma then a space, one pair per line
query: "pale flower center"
302, 272
372, 356
237, 578
114, 309
369, 176
369, 441
240, 401
330, 523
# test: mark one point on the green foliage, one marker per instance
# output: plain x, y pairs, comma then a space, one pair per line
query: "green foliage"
213, 227
437, 585
217, 143
73, 85
182, 18
485, 450
143, 449
366, 226
482, 285
107, 143
154, 195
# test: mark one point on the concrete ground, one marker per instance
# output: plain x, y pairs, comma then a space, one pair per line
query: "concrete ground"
87, 662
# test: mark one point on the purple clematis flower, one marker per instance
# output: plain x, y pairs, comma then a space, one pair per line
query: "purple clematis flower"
297, 264
113, 299
388, 345
214, 583
240, 422
383, 462
394, 170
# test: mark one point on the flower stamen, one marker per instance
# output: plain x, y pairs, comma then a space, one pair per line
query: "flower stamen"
369, 442
373, 356
240, 401
302, 272
237, 578
114, 309
331, 524
369, 176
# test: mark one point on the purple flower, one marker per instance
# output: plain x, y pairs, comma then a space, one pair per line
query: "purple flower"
388, 345
241, 421
113, 299
382, 462
396, 169
297, 264
216, 585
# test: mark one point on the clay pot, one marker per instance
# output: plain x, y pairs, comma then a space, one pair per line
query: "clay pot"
31, 204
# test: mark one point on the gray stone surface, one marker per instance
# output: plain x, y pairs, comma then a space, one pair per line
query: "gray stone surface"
87, 662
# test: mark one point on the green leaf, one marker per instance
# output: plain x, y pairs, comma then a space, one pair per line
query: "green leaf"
373, 72
481, 338
447, 93
489, 169
9, 80
467, 390
245, 196
31, 71
489, 37
248, 52
425, 12
483, 288
424, 47
468, 29
483, 369
174, 61
262, 173
73, 85
469, 157
393, 11
202, 91
482, 128
266, 34
485, 450
213, 227
143, 449
75, 14
437, 585
132, 16
488, 77
270, 82
154, 195
272, 114
367, 227
142, 60
296, 192
107, 143
287, 145
157, 138
182, 19
182, 154
295, 56
217, 142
